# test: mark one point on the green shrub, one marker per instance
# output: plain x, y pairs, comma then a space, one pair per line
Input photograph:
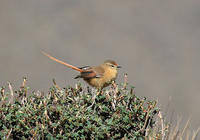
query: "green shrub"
75, 113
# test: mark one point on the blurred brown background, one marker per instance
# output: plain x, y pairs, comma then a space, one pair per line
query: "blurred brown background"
156, 42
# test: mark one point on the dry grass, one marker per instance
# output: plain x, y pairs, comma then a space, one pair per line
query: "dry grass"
167, 131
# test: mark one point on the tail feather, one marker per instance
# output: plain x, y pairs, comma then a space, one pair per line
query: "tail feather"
61, 62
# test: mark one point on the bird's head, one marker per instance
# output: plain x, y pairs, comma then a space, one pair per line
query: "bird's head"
112, 64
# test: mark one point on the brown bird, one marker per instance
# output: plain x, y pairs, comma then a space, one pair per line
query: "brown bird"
98, 76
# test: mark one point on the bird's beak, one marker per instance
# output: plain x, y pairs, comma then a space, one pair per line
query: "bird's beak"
118, 66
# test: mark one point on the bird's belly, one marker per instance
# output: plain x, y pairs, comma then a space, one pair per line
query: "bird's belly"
95, 82
103, 81
99, 82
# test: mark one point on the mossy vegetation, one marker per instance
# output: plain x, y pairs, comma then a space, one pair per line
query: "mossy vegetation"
78, 113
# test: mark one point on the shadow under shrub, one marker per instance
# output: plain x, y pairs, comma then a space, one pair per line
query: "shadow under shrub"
75, 113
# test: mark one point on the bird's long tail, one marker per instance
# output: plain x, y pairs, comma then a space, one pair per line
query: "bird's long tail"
61, 62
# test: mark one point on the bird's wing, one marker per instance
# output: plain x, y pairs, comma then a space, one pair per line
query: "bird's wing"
99, 70
92, 72
84, 67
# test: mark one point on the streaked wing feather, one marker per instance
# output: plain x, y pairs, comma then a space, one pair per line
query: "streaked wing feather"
92, 72
84, 67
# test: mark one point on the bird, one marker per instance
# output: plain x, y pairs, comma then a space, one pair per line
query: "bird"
99, 76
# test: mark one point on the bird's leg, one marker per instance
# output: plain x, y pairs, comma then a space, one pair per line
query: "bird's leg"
99, 91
